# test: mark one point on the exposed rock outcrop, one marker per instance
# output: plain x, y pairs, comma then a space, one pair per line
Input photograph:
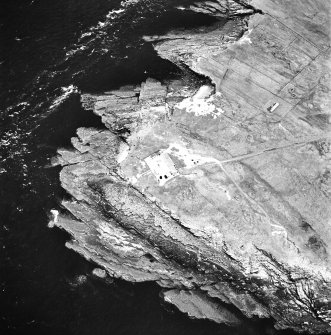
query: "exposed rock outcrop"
222, 8
221, 195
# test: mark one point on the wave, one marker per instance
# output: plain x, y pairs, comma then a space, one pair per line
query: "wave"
67, 91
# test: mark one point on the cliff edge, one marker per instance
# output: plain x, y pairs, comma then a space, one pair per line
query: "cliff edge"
219, 193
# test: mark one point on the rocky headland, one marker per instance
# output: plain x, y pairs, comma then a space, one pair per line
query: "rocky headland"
219, 193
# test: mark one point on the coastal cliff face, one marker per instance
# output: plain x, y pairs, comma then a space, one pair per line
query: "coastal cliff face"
219, 193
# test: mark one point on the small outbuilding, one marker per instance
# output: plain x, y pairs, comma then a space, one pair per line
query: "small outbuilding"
271, 106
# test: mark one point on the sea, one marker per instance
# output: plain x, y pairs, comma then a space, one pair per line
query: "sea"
50, 52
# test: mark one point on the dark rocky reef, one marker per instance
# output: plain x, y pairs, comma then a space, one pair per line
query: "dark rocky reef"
219, 193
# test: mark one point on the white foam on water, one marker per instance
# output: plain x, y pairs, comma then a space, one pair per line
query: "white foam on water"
67, 91
55, 217
109, 16
112, 14
86, 34
102, 25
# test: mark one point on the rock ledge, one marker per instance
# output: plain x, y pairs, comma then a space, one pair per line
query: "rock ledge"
220, 194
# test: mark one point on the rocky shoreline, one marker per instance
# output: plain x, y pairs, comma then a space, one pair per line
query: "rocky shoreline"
219, 193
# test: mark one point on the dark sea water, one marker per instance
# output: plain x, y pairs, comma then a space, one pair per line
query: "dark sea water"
48, 49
